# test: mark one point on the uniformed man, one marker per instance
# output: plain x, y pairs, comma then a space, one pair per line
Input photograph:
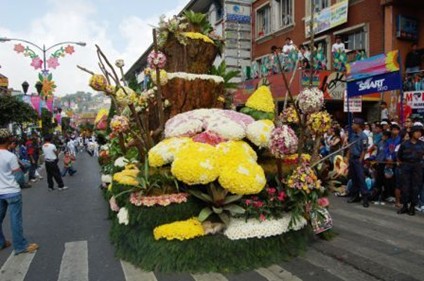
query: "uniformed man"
356, 153
410, 155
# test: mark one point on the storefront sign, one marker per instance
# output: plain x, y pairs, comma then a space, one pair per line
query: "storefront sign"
328, 18
355, 104
376, 84
239, 12
407, 28
414, 99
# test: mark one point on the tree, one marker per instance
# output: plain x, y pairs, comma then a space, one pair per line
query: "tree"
13, 110
46, 122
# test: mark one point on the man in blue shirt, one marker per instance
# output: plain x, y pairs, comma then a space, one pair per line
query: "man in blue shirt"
392, 187
380, 158
410, 154
356, 153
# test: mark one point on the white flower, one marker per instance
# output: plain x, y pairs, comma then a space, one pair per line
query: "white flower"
259, 132
189, 76
119, 63
121, 162
123, 217
310, 100
106, 178
301, 223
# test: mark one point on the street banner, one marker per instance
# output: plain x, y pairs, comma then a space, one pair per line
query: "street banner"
328, 18
35, 101
49, 104
380, 83
355, 104
373, 66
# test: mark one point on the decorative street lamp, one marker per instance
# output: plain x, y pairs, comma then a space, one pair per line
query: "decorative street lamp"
39, 87
45, 77
25, 87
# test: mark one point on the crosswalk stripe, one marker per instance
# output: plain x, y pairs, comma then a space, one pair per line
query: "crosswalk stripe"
74, 265
209, 277
16, 267
132, 273
277, 273
335, 267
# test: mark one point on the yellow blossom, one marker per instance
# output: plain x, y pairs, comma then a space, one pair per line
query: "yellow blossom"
181, 230
261, 100
242, 178
198, 36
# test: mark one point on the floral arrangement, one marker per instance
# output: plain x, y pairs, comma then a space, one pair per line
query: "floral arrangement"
123, 217
242, 178
310, 100
253, 228
293, 159
164, 152
174, 25
128, 176
283, 141
319, 122
289, 116
269, 203
163, 77
156, 60
98, 82
259, 132
234, 152
180, 230
119, 124
198, 36
304, 179
138, 199
261, 100
125, 95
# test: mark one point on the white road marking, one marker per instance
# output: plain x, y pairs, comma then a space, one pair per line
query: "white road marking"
277, 273
209, 277
132, 273
74, 265
16, 267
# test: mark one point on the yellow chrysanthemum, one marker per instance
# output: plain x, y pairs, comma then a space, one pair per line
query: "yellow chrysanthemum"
181, 230
163, 77
235, 152
98, 82
319, 122
196, 163
164, 152
198, 36
102, 112
126, 95
259, 132
127, 176
261, 100
242, 178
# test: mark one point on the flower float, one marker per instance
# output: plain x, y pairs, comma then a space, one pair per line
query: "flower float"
283, 141
164, 152
128, 176
123, 217
242, 178
289, 116
163, 77
260, 105
180, 230
310, 100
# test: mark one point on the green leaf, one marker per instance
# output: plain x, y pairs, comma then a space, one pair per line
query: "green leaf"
232, 198
204, 214
224, 218
40, 77
50, 77
234, 209
217, 210
202, 196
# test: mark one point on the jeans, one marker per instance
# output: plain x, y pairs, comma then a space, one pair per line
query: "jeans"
68, 169
32, 170
53, 172
15, 210
356, 174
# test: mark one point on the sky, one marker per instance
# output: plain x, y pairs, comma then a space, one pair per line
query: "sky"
122, 29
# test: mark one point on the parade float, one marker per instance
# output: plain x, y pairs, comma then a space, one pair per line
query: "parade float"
196, 187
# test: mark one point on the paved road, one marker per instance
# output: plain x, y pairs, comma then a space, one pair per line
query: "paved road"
72, 230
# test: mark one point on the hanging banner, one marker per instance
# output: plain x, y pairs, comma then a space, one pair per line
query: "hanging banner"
49, 104
328, 18
380, 83
355, 104
35, 101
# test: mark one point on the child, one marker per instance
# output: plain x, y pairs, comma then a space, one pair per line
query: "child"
68, 160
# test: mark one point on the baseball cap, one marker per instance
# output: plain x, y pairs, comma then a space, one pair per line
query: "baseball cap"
4, 134
358, 121
384, 123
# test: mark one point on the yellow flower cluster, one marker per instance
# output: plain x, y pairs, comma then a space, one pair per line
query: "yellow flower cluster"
181, 230
126, 95
304, 179
289, 116
292, 159
198, 36
164, 152
100, 114
259, 132
163, 77
98, 82
319, 122
196, 163
242, 178
261, 100
128, 176
232, 152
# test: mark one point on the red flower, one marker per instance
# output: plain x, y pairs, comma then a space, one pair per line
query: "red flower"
258, 204
271, 190
323, 202
262, 217
248, 202
69, 49
282, 195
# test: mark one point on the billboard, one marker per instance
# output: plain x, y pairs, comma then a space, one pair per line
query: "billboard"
328, 18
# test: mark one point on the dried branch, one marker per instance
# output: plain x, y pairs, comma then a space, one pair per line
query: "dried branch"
85, 69
100, 52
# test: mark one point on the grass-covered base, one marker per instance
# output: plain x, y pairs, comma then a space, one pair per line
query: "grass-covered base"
205, 254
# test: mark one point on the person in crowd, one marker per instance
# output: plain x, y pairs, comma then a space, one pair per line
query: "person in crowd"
404, 133
338, 46
51, 159
386, 125
304, 57
335, 143
410, 154
356, 154
68, 161
413, 59
384, 114
11, 198
70, 146
32, 150
288, 46
380, 181
392, 172
24, 166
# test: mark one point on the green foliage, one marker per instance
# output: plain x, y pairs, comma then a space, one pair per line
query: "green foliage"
257, 114
199, 20
47, 125
221, 70
133, 84
14, 110
218, 202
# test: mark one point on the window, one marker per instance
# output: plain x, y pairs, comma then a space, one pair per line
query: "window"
263, 21
319, 5
283, 12
355, 40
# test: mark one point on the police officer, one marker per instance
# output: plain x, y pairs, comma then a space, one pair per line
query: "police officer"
410, 155
356, 155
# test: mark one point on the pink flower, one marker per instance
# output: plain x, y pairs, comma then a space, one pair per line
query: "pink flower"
19, 48
52, 62
271, 190
248, 202
113, 205
282, 195
262, 217
258, 204
69, 49
323, 202
36, 63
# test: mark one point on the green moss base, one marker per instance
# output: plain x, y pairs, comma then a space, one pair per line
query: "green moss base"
135, 243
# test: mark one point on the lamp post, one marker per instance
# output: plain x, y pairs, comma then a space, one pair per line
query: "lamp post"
25, 87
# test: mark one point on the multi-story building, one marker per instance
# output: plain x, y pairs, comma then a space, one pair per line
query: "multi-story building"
372, 26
